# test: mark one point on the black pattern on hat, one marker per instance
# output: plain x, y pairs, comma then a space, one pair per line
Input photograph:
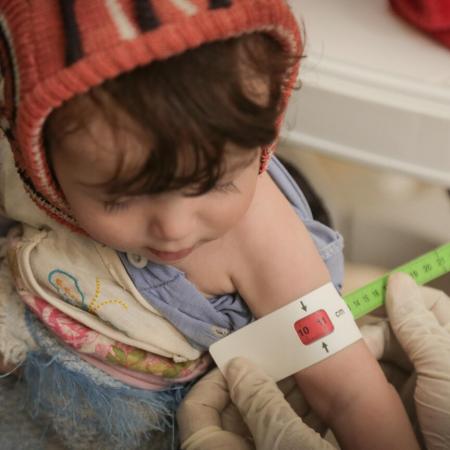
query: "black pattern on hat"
74, 47
9, 74
216, 4
145, 15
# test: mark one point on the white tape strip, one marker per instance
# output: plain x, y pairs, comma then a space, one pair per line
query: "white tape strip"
293, 337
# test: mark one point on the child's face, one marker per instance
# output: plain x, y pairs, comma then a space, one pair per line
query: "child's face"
163, 228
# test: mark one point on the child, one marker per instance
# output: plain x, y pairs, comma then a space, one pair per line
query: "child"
143, 129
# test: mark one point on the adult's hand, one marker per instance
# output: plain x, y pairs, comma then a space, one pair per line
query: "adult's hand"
420, 319
209, 421
418, 338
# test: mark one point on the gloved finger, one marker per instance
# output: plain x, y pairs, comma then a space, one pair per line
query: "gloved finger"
204, 404
233, 422
273, 423
395, 375
425, 341
384, 345
298, 403
293, 396
215, 438
438, 303
376, 337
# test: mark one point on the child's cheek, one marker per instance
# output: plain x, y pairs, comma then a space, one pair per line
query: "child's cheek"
116, 230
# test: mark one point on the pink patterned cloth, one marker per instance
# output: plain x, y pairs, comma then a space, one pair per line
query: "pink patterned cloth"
129, 377
143, 367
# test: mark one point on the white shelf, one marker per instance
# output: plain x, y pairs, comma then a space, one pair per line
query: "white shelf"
375, 90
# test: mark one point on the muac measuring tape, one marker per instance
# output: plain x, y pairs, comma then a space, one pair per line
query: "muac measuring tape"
423, 269
318, 324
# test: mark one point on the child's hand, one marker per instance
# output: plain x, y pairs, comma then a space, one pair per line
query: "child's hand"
420, 319
208, 421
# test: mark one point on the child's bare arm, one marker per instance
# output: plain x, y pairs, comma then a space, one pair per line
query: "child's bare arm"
350, 392
280, 265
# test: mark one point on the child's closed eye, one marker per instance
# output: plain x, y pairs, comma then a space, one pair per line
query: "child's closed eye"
111, 206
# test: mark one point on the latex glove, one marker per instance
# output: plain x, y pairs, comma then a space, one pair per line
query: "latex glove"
420, 320
206, 422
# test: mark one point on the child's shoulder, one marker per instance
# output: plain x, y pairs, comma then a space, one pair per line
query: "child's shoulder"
274, 254
269, 223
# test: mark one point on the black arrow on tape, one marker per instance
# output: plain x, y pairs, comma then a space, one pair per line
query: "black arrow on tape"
303, 306
325, 347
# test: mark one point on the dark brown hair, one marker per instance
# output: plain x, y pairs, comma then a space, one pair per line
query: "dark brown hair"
189, 107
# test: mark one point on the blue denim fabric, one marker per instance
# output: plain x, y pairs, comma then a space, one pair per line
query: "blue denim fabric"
204, 321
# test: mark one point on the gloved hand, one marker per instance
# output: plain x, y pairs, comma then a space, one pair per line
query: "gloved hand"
209, 421
420, 320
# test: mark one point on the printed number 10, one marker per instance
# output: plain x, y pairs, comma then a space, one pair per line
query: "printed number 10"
304, 331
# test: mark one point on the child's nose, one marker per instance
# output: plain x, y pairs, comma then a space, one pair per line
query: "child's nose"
174, 222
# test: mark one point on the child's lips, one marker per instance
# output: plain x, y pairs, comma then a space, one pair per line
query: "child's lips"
171, 256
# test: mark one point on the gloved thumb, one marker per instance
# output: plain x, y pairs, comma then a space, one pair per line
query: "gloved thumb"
425, 336
272, 422
424, 339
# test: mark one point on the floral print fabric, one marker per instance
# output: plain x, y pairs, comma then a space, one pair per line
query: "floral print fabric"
90, 342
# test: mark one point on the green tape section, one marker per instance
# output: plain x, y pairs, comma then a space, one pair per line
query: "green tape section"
423, 269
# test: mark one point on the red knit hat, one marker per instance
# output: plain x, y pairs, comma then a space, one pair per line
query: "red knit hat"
52, 50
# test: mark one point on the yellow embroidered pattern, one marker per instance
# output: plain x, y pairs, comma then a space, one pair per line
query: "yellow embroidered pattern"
94, 306
68, 287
